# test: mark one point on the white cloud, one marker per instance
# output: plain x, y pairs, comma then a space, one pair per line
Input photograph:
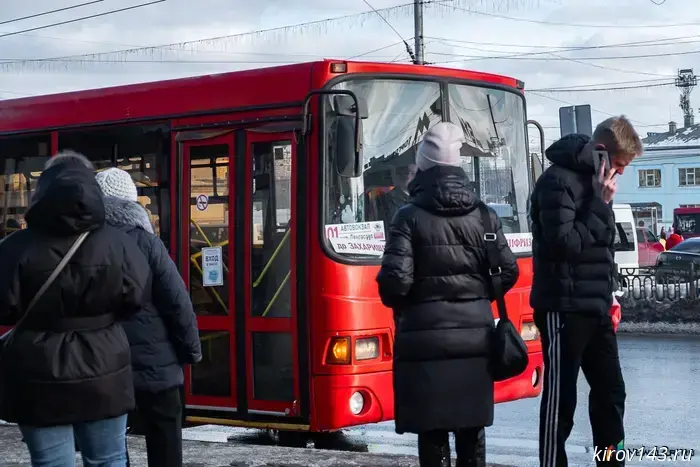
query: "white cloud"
185, 20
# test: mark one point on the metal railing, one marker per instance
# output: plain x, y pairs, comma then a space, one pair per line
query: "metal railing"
660, 284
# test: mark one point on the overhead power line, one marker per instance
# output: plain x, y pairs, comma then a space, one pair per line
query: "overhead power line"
645, 43
616, 88
571, 25
403, 10
529, 57
50, 12
82, 18
408, 47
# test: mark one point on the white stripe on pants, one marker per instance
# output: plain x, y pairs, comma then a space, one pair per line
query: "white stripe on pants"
549, 456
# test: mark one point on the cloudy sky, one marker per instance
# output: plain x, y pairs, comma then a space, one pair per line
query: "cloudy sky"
591, 45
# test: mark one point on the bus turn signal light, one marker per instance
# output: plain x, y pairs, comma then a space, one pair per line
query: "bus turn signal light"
339, 351
366, 348
529, 331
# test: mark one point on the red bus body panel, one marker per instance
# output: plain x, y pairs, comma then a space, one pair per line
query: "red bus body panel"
341, 299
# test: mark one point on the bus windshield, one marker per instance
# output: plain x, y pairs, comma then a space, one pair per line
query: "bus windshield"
399, 113
688, 224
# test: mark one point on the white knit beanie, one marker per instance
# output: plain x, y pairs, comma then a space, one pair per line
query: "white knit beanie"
117, 184
440, 146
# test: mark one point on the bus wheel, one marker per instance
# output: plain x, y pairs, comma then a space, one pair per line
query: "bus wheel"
293, 439
338, 441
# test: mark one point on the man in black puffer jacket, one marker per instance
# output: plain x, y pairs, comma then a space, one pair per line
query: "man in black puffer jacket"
573, 229
163, 334
434, 276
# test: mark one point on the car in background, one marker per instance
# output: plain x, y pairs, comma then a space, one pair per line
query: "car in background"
649, 247
626, 255
675, 264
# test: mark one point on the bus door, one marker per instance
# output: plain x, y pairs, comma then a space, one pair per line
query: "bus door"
272, 382
206, 258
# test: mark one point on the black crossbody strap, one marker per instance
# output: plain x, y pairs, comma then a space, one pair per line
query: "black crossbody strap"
494, 257
64, 261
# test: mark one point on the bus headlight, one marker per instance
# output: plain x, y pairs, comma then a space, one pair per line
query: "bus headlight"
357, 403
366, 348
529, 332
338, 351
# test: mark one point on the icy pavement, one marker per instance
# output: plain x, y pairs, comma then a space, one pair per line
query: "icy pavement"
213, 453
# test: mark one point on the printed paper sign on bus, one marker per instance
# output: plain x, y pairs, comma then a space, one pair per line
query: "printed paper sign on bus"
519, 242
359, 231
359, 238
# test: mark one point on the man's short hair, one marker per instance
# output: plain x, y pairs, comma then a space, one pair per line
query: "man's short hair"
619, 137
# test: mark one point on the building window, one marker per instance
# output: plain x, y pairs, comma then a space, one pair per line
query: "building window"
689, 176
689, 206
649, 178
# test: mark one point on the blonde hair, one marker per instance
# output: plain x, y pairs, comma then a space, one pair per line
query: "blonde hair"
619, 138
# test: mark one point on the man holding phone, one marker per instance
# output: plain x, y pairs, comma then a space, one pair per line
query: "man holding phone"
573, 228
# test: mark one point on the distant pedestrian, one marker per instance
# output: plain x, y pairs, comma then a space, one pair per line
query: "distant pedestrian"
433, 276
662, 235
65, 370
573, 228
163, 334
673, 239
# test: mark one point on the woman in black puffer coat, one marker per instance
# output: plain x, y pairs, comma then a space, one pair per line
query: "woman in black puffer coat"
163, 334
65, 373
433, 275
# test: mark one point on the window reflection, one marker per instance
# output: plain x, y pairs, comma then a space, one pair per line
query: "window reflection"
142, 151
495, 154
22, 160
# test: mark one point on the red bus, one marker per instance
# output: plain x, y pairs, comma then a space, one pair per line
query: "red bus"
270, 176
687, 222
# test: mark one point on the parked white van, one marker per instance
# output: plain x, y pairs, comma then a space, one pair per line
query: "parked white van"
626, 247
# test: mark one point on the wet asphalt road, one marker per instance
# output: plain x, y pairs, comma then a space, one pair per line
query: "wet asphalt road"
662, 375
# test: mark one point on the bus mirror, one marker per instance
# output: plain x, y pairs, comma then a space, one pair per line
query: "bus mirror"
348, 110
349, 134
348, 153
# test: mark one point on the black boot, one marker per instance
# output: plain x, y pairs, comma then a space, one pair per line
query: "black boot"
434, 449
470, 444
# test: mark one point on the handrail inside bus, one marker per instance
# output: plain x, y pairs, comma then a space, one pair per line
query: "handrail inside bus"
277, 294
272, 258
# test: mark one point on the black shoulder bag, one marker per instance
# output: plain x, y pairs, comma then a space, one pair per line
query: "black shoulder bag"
5, 338
509, 356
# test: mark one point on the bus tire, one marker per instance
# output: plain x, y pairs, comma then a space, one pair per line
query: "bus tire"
293, 439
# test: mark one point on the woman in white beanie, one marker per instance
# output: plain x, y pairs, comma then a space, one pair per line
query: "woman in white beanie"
163, 335
433, 276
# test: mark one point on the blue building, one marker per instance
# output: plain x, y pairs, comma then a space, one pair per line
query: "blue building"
665, 177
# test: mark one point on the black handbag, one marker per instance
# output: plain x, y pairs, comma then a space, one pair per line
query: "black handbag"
509, 357
7, 337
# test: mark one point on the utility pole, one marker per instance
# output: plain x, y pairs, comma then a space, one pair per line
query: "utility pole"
418, 24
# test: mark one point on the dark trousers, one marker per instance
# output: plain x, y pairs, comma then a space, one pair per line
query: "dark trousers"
159, 417
434, 448
573, 341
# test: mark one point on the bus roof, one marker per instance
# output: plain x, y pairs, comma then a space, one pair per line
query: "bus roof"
686, 211
261, 87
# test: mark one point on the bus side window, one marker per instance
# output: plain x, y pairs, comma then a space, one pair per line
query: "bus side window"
22, 160
141, 150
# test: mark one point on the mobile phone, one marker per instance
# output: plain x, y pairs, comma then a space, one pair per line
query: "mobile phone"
601, 155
